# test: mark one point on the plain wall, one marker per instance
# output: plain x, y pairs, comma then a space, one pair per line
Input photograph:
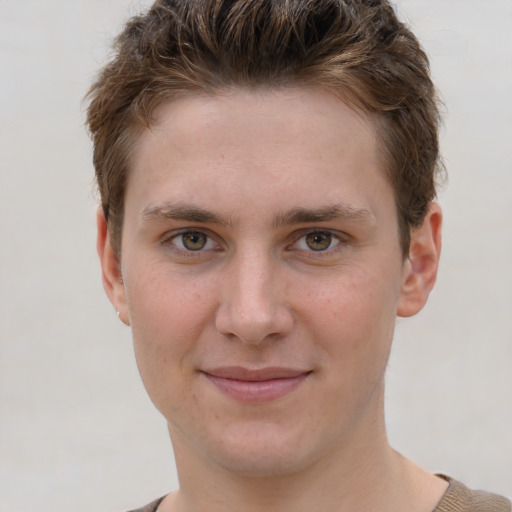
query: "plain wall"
77, 431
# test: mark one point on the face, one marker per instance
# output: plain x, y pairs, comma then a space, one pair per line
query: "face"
261, 274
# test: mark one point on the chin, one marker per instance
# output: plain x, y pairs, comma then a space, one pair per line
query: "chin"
262, 452
262, 465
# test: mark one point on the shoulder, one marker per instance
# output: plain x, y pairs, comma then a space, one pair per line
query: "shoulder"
151, 507
459, 498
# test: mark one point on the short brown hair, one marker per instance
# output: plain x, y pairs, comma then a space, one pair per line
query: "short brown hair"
355, 48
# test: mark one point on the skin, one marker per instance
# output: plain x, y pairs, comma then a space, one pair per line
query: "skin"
259, 233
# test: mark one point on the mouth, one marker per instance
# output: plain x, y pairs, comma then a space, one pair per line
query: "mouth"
256, 386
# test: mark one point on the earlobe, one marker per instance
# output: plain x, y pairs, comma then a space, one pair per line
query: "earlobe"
420, 269
111, 269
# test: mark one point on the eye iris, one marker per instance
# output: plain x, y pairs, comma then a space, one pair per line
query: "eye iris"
318, 241
194, 241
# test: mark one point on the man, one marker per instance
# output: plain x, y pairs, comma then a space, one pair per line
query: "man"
267, 173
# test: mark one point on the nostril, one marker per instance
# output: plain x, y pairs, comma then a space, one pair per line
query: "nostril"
251, 324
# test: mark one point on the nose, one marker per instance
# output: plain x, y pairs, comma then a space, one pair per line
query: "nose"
253, 305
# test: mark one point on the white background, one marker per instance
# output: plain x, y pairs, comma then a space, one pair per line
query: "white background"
77, 432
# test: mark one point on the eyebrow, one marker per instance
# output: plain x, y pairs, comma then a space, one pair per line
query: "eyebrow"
334, 212
191, 213
184, 212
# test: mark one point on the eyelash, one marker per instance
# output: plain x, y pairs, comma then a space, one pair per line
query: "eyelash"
337, 238
170, 241
340, 240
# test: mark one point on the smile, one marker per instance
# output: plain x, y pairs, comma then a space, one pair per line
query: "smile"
256, 386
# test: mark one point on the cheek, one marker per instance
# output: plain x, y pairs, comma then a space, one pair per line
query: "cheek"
164, 306
167, 318
352, 318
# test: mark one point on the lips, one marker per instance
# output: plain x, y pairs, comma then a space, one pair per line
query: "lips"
256, 386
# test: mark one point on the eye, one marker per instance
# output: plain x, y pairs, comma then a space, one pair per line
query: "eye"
192, 241
317, 241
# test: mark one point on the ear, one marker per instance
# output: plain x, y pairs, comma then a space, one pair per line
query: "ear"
111, 269
420, 268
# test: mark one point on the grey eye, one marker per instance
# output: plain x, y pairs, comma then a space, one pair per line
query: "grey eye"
191, 241
319, 241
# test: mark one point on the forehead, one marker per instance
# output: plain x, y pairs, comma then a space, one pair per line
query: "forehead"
294, 142
297, 113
